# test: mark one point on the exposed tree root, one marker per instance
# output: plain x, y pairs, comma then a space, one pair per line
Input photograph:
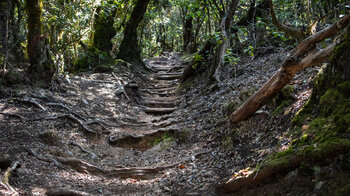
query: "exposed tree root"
31, 101
93, 155
4, 183
66, 192
45, 159
69, 116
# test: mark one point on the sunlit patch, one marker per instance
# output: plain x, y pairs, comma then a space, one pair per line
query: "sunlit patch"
301, 99
38, 191
241, 173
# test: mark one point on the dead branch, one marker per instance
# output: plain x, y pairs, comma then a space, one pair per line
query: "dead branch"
295, 33
302, 56
66, 192
93, 155
5, 180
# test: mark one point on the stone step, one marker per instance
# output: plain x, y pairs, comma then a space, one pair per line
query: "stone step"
158, 111
167, 77
164, 104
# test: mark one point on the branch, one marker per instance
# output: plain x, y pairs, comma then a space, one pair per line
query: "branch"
295, 33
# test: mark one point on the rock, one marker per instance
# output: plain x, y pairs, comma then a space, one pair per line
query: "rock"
5, 161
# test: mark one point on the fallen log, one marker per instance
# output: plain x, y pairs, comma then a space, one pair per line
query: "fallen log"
304, 55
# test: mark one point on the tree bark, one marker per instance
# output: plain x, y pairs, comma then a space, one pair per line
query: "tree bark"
41, 67
129, 49
104, 30
187, 32
221, 49
302, 56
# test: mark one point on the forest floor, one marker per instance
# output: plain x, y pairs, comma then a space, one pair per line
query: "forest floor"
130, 133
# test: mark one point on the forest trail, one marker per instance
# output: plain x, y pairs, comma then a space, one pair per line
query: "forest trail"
99, 133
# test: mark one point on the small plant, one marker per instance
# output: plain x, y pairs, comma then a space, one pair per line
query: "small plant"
165, 136
197, 59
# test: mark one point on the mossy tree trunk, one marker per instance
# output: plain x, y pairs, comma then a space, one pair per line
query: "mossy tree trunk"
129, 49
41, 67
104, 30
187, 32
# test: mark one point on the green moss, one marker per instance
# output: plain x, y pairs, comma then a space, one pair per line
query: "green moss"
92, 58
284, 153
288, 91
329, 100
276, 162
165, 136
230, 107
329, 148
299, 142
104, 30
344, 88
279, 108
343, 124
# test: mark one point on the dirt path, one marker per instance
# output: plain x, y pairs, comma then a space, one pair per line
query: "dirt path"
98, 133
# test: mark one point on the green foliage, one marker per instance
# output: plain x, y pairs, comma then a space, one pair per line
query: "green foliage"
231, 58
197, 60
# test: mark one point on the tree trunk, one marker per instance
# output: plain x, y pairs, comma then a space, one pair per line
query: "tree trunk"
41, 67
221, 49
129, 49
187, 32
104, 30
302, 56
